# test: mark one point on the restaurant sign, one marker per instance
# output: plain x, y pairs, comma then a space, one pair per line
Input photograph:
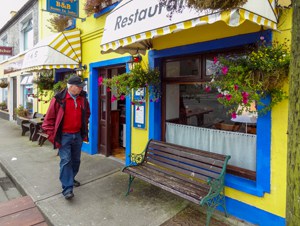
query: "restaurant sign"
5, 50
64, 7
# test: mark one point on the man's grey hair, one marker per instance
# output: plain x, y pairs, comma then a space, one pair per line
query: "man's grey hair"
68, 85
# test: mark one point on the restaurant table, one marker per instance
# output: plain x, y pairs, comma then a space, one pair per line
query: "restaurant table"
199, 113
34, 127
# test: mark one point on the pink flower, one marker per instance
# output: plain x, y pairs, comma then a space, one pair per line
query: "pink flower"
215, 60
262, 38
233, 114
100, 80
207, 89
141, 102
245, 100
122, 97
132, 103
113, 98
107, 89
220, 95
138, 108
245, 94
228, 97
224, 70
236, 87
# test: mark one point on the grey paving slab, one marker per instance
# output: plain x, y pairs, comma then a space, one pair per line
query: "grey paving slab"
103, 203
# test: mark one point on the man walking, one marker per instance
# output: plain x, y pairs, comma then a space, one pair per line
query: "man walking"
66, 123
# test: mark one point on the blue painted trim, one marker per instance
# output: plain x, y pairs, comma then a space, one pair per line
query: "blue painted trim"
154, 108
262, 184
92, 146
106, 10
128, 124
252, 214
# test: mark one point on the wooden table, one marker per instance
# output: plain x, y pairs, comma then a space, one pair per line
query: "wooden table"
34, 127
199, 113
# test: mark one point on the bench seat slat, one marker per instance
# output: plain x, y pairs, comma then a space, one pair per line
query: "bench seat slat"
210, 167
198, 155
168, 183
192, 171
192, 180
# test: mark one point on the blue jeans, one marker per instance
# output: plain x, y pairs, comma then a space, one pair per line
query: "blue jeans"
69, 152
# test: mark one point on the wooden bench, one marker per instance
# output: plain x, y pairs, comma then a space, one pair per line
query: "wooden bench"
195, 175
42, 137
25, 124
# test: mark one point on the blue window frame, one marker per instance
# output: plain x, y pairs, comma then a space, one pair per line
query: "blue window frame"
262, 183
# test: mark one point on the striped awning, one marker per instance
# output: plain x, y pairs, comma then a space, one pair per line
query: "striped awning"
133, 23
61, 50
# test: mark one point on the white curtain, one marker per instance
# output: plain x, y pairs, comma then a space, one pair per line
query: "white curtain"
241, 146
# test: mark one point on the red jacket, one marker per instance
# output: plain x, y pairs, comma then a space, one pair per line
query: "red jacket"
53, 121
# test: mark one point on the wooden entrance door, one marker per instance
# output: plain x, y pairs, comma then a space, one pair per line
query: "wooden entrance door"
108, 127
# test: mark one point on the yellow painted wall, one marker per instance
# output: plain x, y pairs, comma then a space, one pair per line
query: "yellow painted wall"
276, 200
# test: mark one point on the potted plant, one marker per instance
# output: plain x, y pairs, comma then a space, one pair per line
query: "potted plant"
250, 77
3, 105
95, 6
139, 77
3, 83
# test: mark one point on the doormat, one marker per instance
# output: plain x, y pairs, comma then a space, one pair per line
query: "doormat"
191, 217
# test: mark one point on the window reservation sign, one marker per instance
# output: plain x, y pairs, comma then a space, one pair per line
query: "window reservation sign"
63, 7
4, 50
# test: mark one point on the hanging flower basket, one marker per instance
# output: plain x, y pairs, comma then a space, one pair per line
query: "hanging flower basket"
95, 6
45, 80
215, 4
248, 78
59, 23
139, 77
3, 83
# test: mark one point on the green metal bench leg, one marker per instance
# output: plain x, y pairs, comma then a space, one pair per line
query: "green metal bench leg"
131, 178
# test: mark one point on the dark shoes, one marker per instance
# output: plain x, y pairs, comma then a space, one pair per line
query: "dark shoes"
69, 195
76, 183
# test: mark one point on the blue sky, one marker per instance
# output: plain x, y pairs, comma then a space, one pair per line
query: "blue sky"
6, 7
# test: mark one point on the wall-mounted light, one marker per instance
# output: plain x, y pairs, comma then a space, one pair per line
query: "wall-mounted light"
79, 71
134, 59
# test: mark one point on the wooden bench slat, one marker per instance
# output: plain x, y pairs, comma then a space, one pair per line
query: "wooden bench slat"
190, 150
170, 185
190, 171
210, 167
187, 180
191, 155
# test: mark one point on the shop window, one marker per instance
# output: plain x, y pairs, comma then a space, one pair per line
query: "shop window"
194, 117
27, 91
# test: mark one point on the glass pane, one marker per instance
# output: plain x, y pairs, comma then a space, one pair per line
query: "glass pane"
189, 104
184, 67
103, 110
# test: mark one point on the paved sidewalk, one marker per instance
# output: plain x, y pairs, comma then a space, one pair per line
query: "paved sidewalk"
100, 200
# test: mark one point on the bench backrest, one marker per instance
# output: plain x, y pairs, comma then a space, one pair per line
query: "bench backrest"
188, 162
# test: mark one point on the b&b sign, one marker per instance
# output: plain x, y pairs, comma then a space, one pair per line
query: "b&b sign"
5, 50
63, 7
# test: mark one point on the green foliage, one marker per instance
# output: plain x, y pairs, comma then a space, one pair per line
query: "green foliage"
139, 77
45, 80
249, 77
3, 105
21, 111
